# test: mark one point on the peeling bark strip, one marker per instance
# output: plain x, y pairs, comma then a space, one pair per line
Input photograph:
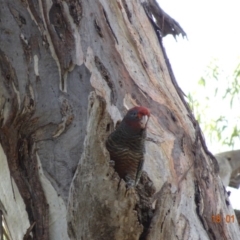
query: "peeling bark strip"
166, 24
129, 15
199, 136
98, 29
145, 210
26, 236
17, 15
60, 37
199, 209
198, 201
106, 76
75, 9
16, 140
109, 25
67, 118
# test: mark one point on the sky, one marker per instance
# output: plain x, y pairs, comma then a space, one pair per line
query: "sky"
212, 29
213, 34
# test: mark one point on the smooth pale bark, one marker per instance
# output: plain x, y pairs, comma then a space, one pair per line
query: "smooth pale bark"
229, 163
69, 70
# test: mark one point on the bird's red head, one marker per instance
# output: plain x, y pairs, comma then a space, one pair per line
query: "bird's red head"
137, 117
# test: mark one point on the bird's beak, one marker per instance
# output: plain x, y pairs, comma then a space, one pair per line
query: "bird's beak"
143, 121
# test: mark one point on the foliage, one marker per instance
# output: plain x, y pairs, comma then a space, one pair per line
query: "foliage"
215, 105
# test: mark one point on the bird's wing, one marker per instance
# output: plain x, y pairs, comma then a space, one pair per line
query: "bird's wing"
139, 171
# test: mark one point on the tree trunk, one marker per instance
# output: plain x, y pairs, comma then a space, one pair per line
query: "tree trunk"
68, 72
229, 163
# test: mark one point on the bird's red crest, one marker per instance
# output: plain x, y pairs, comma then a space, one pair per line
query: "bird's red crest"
137, 117
141, 110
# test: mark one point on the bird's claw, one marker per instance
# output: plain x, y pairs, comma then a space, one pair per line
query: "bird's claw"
130, 191
130, 188
112, 163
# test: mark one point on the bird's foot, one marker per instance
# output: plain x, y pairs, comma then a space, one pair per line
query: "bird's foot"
130, 188
112, 163
130, 191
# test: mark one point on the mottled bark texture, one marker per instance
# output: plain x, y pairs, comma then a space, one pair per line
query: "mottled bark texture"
69, 70
229, 164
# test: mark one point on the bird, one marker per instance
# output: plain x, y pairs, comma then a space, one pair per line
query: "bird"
126, 145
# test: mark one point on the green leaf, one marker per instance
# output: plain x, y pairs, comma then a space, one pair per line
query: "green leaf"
202, 82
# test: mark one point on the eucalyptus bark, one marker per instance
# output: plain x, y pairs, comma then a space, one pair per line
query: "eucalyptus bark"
229, 163
69, 70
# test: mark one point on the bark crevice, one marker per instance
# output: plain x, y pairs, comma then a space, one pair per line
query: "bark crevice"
145, 190
18, 145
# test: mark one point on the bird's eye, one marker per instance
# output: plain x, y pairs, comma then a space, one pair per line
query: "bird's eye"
134, 114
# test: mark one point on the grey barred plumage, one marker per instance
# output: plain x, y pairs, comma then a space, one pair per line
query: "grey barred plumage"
126, 145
